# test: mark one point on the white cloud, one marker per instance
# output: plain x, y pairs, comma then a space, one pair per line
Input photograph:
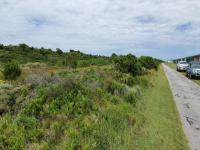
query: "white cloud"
106, 26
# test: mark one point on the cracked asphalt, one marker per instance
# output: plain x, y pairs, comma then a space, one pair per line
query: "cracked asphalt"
187, 98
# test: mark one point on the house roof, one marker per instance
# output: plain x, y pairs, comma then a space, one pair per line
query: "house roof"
188, 56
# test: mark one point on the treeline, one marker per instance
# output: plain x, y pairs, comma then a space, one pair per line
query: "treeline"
11, 56
23, 53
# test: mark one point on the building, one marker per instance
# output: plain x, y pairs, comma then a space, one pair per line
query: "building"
195, 58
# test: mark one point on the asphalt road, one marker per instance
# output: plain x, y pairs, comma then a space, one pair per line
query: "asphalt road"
187, 97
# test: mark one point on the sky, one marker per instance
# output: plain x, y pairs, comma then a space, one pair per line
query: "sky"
164, 29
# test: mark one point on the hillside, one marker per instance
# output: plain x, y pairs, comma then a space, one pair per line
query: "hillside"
23, 53
109, 103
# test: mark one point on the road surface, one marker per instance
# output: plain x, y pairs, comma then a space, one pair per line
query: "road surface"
187, 97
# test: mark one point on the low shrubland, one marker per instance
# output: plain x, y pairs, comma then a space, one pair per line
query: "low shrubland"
75, 101
70, 109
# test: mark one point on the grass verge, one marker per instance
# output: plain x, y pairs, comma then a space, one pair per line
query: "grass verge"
162, 128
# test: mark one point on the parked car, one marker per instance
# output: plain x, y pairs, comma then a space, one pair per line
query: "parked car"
182, 66
193, 70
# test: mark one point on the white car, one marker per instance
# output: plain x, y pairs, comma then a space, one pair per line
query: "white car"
182, 66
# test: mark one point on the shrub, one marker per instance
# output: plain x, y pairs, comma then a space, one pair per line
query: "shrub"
128, 64
24, 91
11, 71
116, 88
7, 98
141, 81
149, 62
133, 95
29, 124
71, 60
77, 104
11, 137
84, 63
5, 86
35, 80
116, 99
59, 51
26, 121
99, 93
127, 79
34, 108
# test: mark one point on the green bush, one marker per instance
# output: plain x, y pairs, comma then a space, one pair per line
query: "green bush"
34, 108
11, 71
141, 81
7, 98
128, 79
116, 99
84, 63
128, 64
29, 124
133, 95
24, 91
59, 51
149, 62
26, 122
11, 136
71, 60
116, 88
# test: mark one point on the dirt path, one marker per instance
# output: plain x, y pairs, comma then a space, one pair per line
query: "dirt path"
187, 97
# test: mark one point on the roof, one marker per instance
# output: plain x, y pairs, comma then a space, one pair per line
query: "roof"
188, 57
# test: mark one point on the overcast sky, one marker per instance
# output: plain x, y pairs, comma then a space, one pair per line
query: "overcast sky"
160, 28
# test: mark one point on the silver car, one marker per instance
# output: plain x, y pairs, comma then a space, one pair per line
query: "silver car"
193, 70
182, 66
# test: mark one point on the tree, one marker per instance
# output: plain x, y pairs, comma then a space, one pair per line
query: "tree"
113, 56
128, 64
59, 51
149, 62
11, 71
23, 47
1, 46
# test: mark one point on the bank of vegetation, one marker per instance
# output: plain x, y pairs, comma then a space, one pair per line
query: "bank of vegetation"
59, 100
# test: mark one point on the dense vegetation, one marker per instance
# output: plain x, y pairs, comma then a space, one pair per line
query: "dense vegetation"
93, 103
11, 71
23, 53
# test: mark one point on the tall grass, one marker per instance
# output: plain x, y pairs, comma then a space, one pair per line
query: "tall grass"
162, 128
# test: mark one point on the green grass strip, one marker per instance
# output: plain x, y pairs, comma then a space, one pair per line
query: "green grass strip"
162, 128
